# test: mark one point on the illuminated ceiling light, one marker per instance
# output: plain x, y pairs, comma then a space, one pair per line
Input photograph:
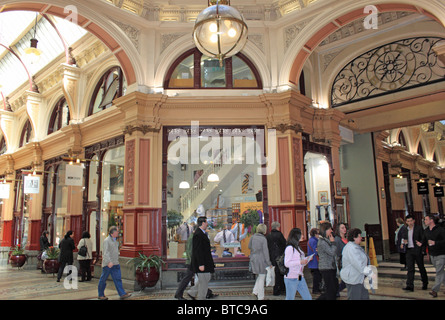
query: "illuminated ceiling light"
184, 185
220, 31
33, 54
213, 178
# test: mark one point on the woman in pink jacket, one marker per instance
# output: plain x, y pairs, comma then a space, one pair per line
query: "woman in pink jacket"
295, 260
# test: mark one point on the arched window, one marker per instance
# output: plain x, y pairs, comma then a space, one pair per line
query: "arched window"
420, 150
112, 85
26, 134
193, 70
2, 145
60, 116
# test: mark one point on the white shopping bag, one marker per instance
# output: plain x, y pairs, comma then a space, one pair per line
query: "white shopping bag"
270, 276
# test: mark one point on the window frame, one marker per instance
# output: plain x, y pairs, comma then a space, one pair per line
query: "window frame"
197, 55
101, 86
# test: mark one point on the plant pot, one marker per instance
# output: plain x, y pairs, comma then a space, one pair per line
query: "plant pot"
51, 265
147, 278
17, 261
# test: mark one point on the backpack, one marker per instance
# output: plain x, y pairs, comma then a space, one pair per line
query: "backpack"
280, 265
83, 251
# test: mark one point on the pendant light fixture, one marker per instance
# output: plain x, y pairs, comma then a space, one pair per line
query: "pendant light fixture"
184, 184
213, 177
32, 53
220, 31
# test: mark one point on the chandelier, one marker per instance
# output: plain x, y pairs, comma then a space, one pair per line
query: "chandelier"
220, 31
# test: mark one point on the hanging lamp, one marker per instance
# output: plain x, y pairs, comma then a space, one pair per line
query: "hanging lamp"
32, 53
220, 31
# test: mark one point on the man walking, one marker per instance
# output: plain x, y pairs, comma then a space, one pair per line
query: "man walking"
411, 237
434, 238
202, 261
110, 265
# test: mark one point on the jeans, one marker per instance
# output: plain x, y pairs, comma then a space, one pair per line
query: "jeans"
115, 272
294, 285
439, 263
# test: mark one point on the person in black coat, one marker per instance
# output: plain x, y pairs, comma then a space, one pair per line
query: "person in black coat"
44, 244
202, 261
413, 235
276, 244
66, 247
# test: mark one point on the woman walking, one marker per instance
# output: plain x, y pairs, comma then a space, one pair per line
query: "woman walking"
327, 263
355, 260
401, 233
259, 259
295, 260
66, 247
85, 261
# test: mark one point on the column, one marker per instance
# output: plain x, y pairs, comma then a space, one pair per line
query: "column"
143, 176
71, 76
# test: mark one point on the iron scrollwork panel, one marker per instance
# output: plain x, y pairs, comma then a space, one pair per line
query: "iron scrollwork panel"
395, 66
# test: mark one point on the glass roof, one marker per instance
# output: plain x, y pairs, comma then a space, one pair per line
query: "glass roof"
16, 31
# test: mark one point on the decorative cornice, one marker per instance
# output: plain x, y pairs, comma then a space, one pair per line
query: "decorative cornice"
283, 127
129, 129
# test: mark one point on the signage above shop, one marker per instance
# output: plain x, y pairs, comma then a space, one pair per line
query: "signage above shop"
4, 191
422, 188
31, 184
438, 192
400, 185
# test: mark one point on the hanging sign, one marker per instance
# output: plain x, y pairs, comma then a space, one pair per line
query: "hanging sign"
400, 185
31, 184
74, 175
422, 188
438, 192
4, 190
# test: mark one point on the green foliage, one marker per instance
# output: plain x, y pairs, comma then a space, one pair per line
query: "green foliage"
18, 250
250, 218
52, 252
142, 261
174, 218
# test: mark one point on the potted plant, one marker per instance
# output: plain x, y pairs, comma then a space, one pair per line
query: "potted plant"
147, 269
17, 258
250, 218
51, 263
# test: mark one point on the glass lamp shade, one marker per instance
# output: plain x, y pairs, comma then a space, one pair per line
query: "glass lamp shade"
213, 178
32, 53
184, 185
220, 31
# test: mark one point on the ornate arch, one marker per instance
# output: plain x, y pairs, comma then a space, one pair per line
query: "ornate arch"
111, 35
340, 15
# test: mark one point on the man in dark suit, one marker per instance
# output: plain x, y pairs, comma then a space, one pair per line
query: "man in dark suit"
202, 261
412, 238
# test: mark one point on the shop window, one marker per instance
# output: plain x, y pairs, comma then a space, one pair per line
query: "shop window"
230, 155
2, 146
112, 191
25, 136
112, 85
198, 71
317, 181
60, 116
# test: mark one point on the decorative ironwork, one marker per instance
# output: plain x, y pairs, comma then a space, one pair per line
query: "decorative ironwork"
396, 66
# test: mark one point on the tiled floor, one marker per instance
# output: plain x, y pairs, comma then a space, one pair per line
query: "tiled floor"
33, 285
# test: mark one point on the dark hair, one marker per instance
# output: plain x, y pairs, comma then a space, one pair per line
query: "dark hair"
86, 234
294, 239
313, 232
201, 220
409, 217
353, 233
68, 234
45, 232
325, 226
433, 217
337, 230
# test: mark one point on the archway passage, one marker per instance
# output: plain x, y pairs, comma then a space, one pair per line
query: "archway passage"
340, 22
85, 23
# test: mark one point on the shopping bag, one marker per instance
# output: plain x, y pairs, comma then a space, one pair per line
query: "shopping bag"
270, 276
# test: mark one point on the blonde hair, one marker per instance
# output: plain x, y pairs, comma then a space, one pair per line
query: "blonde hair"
261, 228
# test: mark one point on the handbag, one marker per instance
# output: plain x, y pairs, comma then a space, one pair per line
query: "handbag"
280, 265
83, 251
